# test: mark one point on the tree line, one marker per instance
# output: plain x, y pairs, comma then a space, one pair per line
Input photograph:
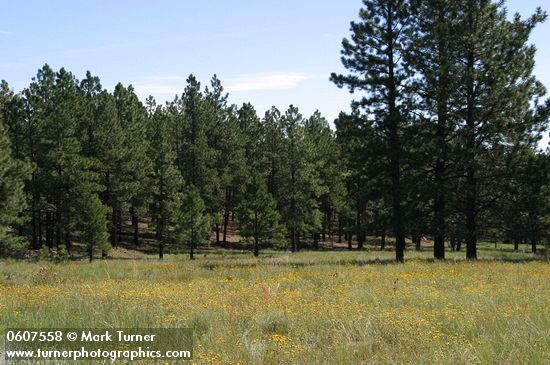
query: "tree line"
78, 158
441, 143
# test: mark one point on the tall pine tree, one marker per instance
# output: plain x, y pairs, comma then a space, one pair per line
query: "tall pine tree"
374, 58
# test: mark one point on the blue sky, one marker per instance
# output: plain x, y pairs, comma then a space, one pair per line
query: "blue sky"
266, 52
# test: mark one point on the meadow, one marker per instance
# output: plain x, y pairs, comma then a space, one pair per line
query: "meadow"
305, 308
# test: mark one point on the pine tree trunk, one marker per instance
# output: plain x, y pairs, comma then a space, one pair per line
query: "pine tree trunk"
293, 240
256, 247
516, 244
40, 237
383, 241
68, 241
90, 253
316, 241
452, 240
114, 235
439, 237
359, 229
349, 234
471, 239
161, 250
228, 193
135, 226
471, 184
439, 171
49, 231
533, 245
394, 143
217, 234
119, 222
158, 232
418, 243
57, 229
159, 228
20, 227
35, 245
360, 240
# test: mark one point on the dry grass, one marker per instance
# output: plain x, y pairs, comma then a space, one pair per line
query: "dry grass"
305, 308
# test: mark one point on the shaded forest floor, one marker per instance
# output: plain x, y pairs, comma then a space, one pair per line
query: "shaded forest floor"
339, 307
148, 247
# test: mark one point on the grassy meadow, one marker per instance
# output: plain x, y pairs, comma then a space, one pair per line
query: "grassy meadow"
305, 308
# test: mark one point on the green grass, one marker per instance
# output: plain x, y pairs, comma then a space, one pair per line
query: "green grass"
306, 308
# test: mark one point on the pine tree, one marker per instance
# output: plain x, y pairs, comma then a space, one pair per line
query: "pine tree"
93, 225
374, 59
62, 172
324, 157
299, 186
430, 55
194, 155
196, 158
107, 135
136, 166
227, 143
192, 222
90, 88
257, 214
166, 179
272, 147
38, 107
497, 67
250, 128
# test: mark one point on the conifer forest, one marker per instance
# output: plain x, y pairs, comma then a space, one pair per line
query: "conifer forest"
442, 143
419, 218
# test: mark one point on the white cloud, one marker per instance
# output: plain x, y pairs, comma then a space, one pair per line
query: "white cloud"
164, 87
161, 87
268, 81
157, 89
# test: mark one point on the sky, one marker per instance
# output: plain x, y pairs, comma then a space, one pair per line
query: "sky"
265, 52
